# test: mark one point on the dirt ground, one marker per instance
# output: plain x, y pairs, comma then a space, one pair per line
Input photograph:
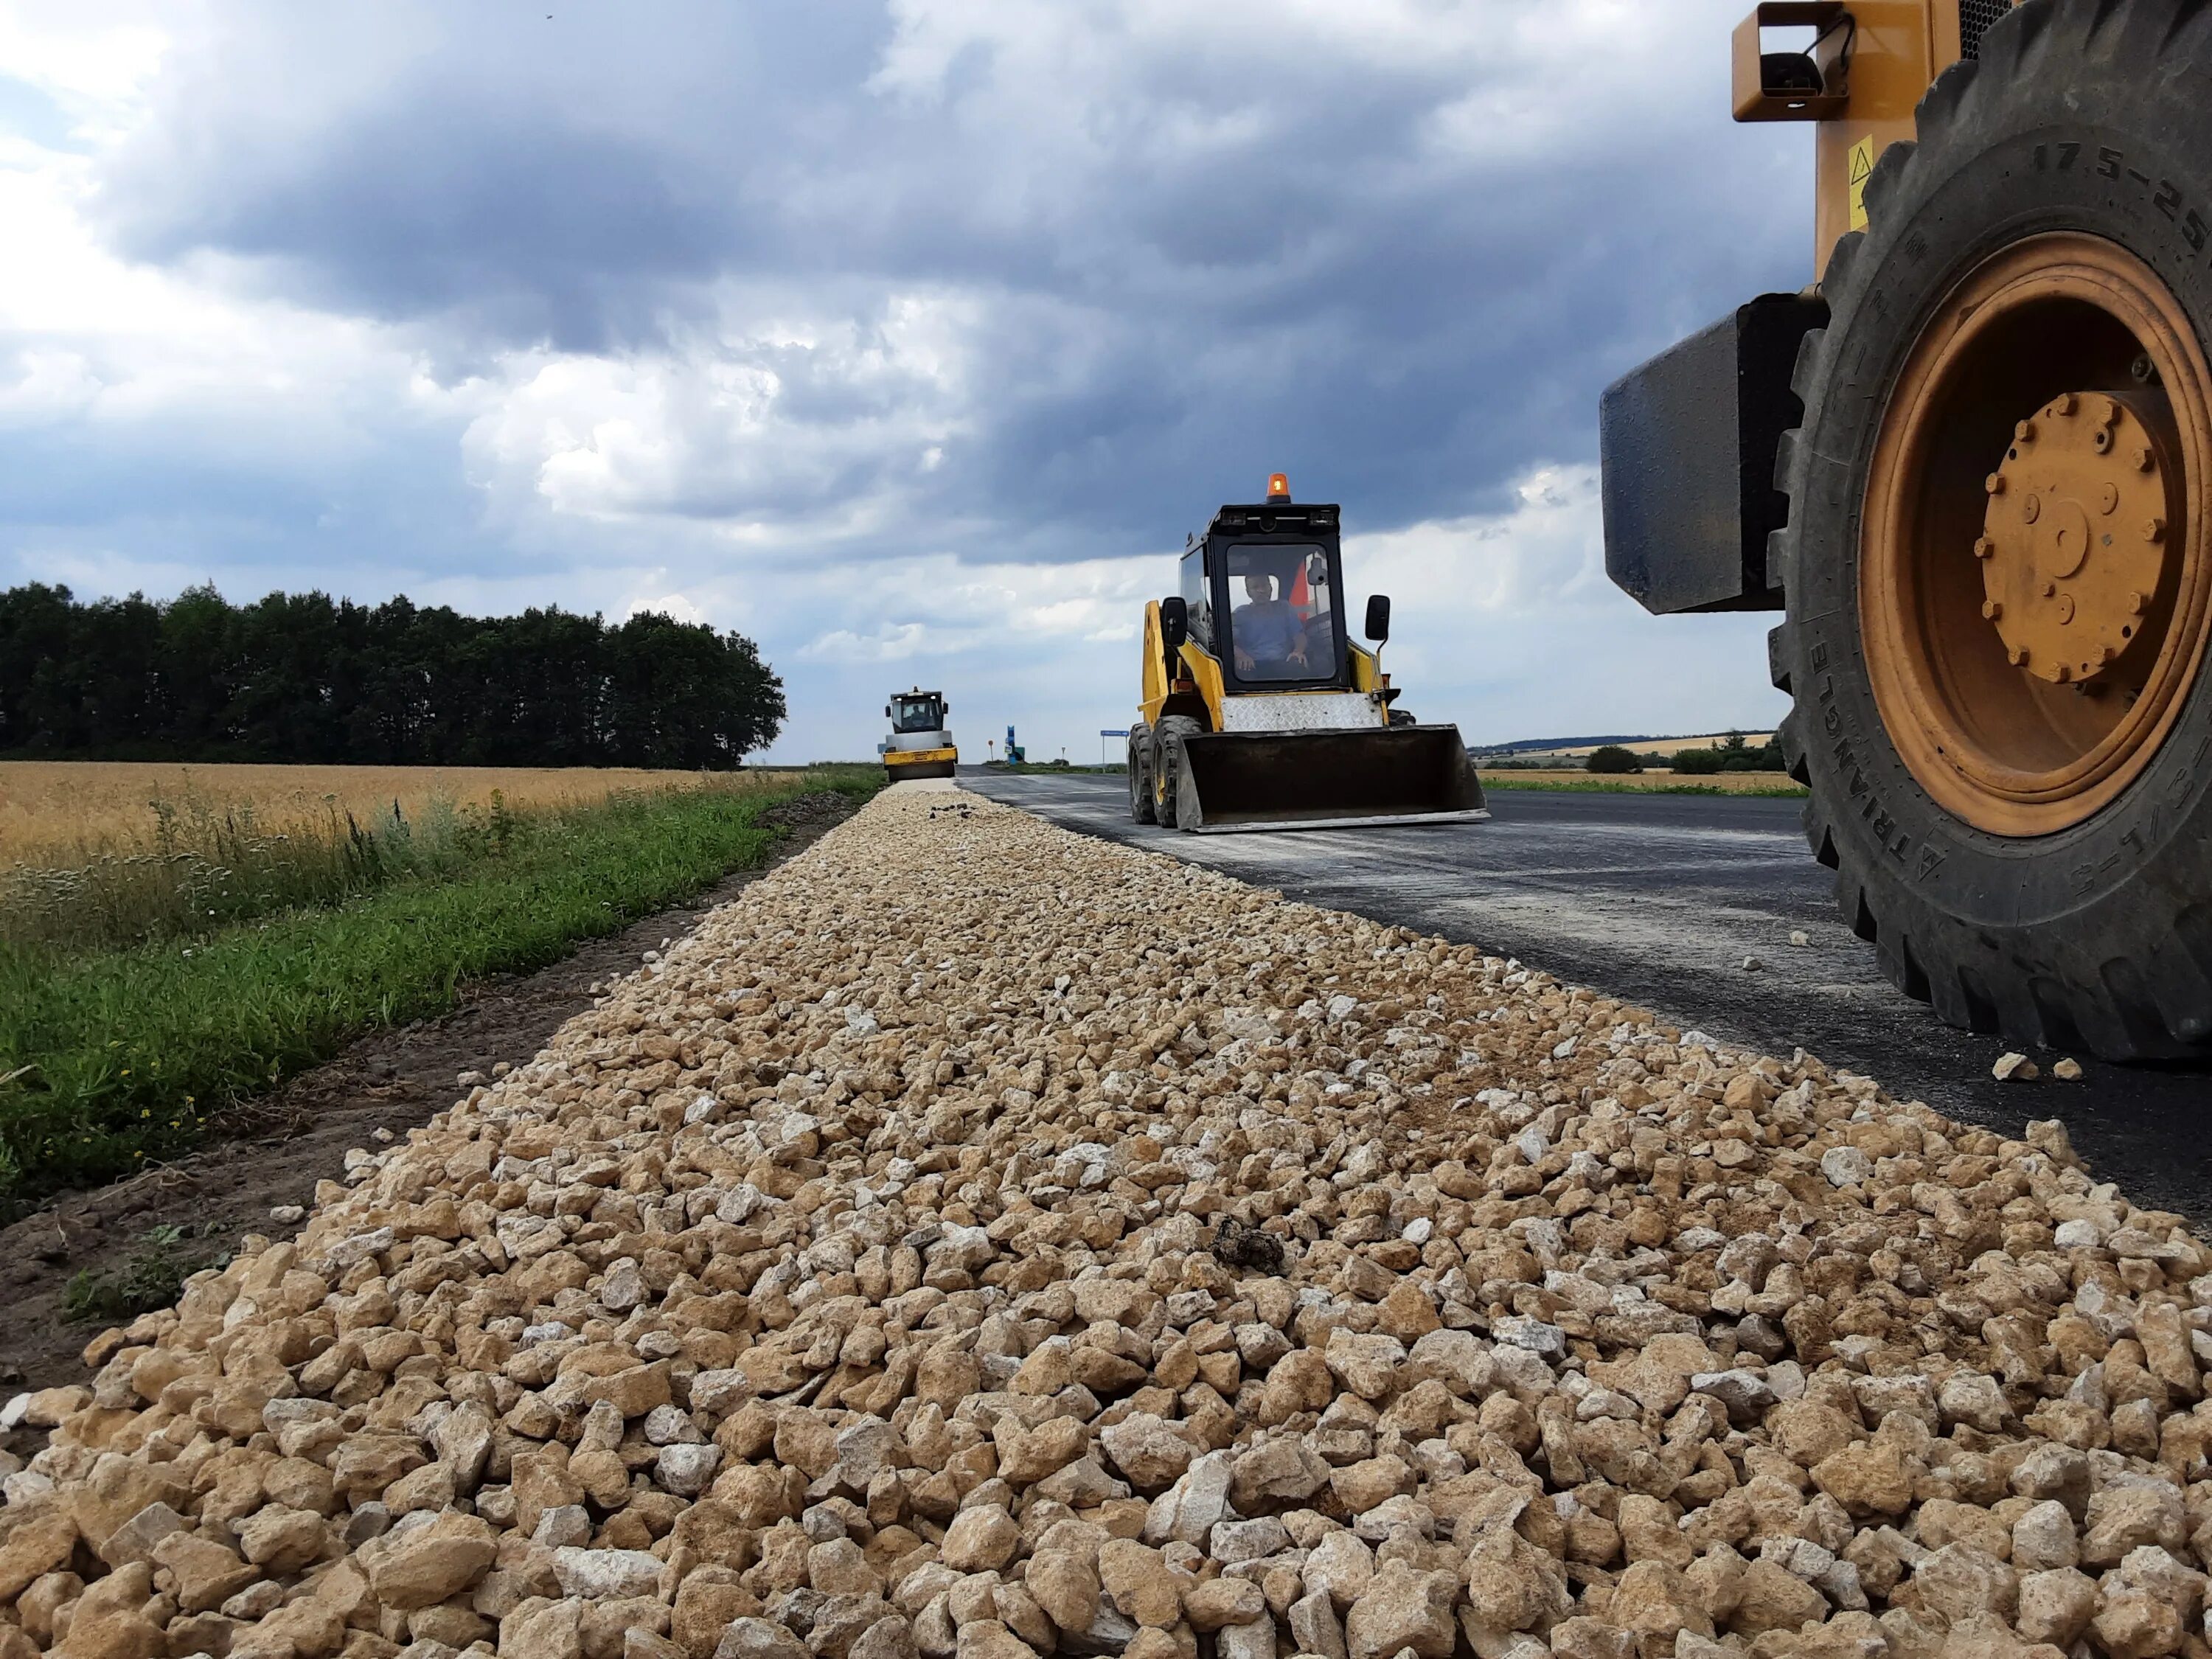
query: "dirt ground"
279, 1146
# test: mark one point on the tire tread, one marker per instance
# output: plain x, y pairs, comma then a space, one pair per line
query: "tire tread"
2137, 1007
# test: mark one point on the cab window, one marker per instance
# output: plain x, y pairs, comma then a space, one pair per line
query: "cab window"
1282, 613
1195, 598
914, 715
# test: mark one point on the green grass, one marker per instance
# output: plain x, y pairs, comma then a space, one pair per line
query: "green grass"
1780, 788
113, 1058
149, 1278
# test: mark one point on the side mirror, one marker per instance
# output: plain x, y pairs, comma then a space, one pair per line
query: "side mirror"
1175, 623
943, 709
1378, 617
887, 711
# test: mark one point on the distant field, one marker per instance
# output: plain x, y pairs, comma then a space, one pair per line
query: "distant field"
55, 813
1647, 745
1710, 783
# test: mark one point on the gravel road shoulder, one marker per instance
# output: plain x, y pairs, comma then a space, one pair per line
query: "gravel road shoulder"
979, 1241
1662, 899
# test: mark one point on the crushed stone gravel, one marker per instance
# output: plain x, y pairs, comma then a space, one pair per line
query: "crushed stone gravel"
980, 1241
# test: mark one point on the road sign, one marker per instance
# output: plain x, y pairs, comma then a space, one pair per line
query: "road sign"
1108, 731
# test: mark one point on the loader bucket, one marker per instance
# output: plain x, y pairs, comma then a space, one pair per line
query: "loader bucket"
1239, 780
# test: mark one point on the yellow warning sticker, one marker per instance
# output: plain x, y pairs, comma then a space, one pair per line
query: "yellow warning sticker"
1861, 163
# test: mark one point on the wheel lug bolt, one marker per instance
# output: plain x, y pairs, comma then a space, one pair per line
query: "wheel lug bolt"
1994, 484
2062, 673
2064, 404
2137, 604
2025, 432
2049, 588
1983, 547
2144, 458
2017, 656
1991, 610
2153, 530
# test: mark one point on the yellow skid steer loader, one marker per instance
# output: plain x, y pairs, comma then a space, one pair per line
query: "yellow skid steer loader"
1259, 714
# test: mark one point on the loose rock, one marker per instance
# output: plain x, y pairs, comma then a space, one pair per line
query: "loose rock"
978, 1241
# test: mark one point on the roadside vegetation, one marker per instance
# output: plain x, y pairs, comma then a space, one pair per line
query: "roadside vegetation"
1732, 754
1734, 766
1646, 783
62, 813
1025, 767
132, 1014
95, 855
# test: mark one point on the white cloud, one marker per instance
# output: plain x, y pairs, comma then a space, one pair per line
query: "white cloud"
892, 642
784, 410
676, 605
1547, 554
96, 60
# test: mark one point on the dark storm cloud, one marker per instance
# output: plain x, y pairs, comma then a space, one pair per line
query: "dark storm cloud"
1194, 257
165, 503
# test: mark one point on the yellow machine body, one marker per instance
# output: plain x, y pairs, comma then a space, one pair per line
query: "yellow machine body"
1894, 49
919, 763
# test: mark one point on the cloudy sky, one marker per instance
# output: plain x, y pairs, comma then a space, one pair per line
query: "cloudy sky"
909, 336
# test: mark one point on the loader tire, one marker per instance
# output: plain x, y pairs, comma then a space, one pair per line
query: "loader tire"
1142, 810
2027, 844
1167, 763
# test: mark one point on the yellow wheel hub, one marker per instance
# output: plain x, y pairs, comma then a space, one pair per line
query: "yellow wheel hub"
2035, 560
2074, 542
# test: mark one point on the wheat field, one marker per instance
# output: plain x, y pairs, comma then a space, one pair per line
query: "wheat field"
68, 813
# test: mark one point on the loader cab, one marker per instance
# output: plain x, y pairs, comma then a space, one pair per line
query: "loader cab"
1265, 591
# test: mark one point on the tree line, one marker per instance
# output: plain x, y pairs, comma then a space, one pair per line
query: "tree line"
307, 678
1732, 754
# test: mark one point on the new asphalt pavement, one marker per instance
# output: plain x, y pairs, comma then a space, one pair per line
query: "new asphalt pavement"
1662, 899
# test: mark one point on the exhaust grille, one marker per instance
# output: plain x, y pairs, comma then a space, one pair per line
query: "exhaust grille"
1975, 17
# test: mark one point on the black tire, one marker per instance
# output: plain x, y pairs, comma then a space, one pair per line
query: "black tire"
1168, 763
2100, 932
1140, 775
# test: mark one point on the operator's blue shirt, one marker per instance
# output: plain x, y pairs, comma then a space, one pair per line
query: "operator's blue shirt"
1266, 629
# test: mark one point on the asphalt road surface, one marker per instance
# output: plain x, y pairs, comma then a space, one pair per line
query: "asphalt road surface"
1660, 899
